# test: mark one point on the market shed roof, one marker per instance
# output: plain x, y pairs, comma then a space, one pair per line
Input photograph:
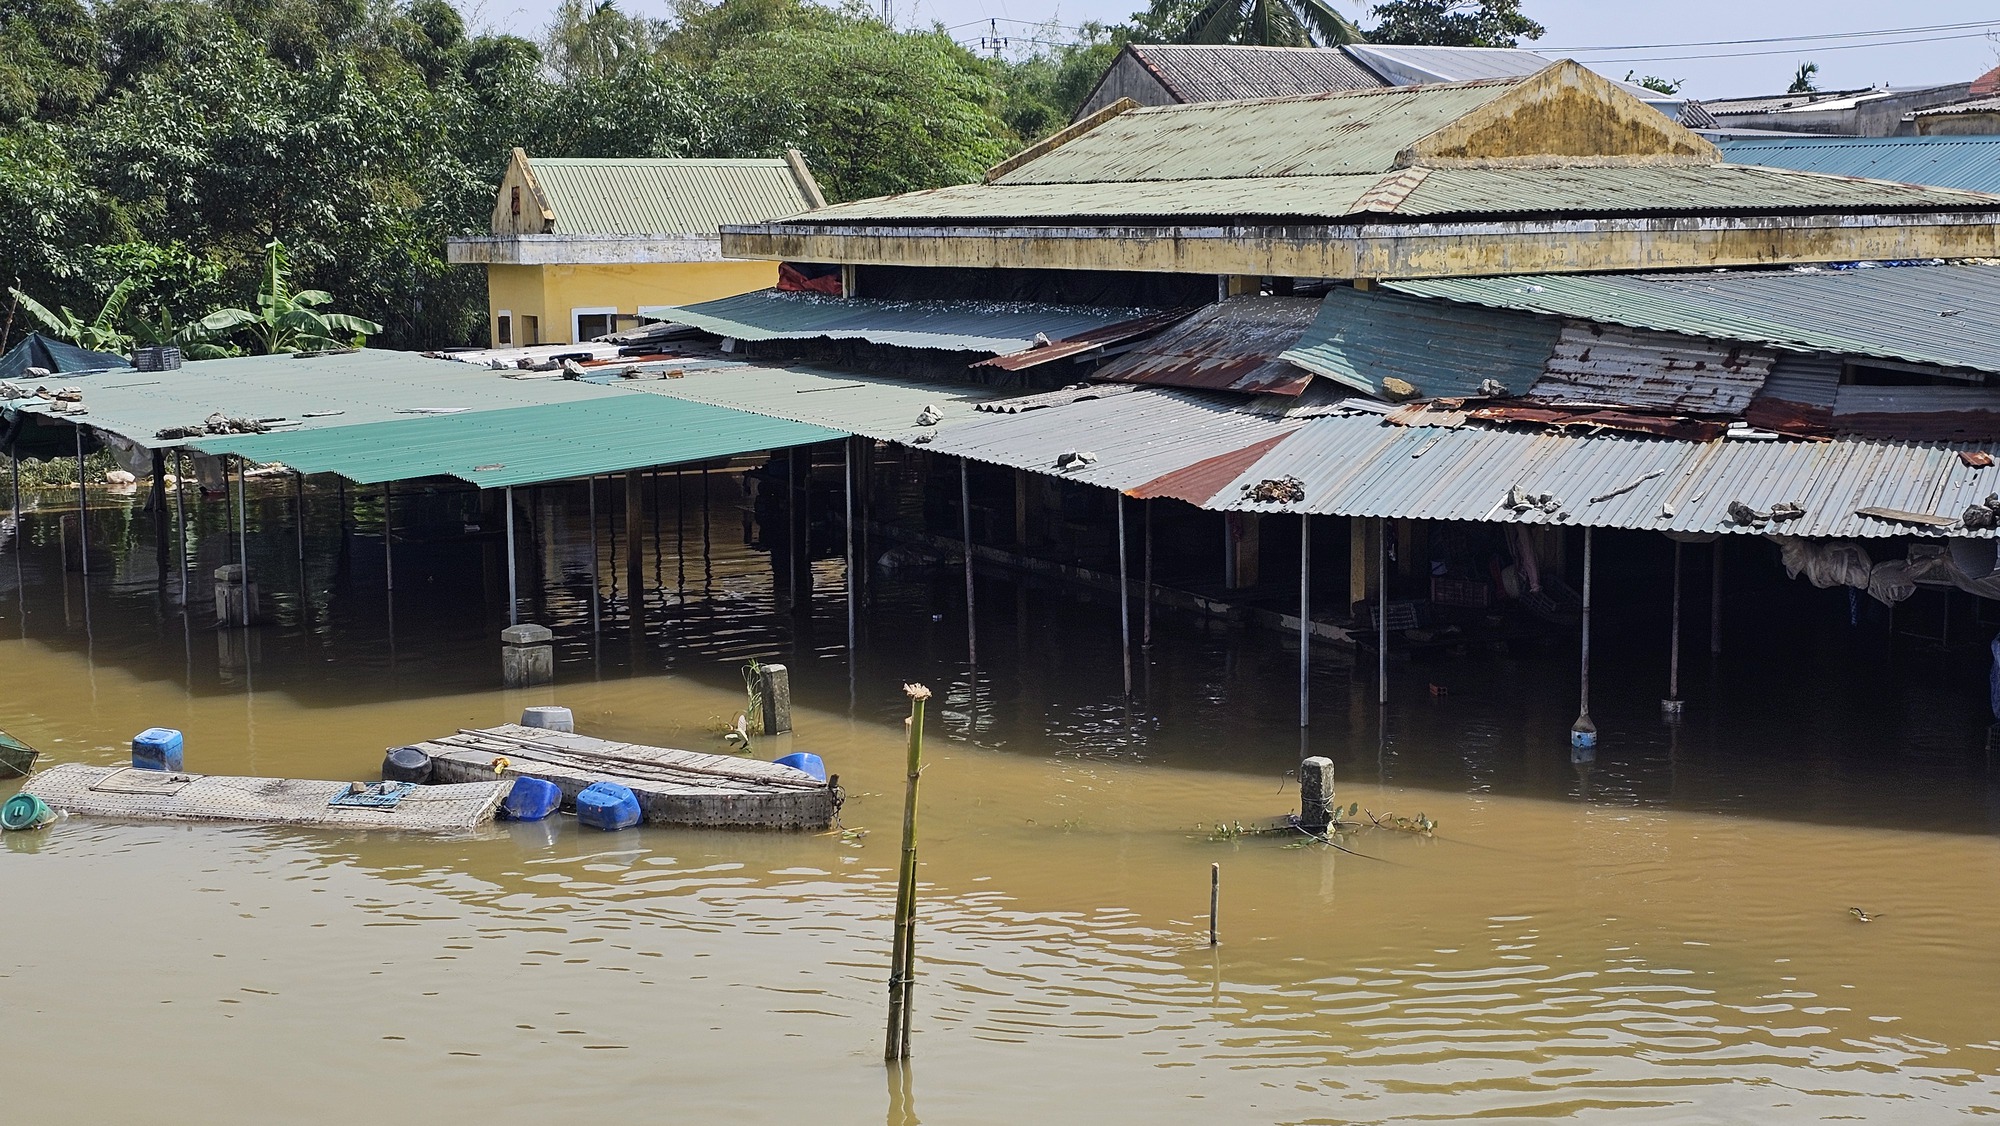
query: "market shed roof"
1220, 72
1360, 465
602, 196
1945, 315
994, 327
1969, 163
873, 406
1436, 348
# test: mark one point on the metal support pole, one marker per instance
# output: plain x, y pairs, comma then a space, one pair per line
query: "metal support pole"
965, 531
847, 468
82, 508
181, 520
1146, 584
243, 530
1124, 599
388, 538
1583, 733
1671, 706
513, 593
299, 517
1305, 618
596, 582
792, 526
1382, 612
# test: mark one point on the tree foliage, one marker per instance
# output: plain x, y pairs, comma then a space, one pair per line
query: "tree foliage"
1260, 23
1453, 23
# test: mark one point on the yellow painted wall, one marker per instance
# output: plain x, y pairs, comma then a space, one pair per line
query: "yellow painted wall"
550, 292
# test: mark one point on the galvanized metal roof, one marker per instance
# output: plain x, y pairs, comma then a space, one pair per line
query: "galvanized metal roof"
1989, 104
1224, 72
1948, 315
1411, 66
1363, 466
1321, 196
1778, 103
1609, 366
1233, 345
665, 196
1321, 135
1971, 163
1134, 439
303, 393
525, 445
873, 406
1440, 348
963, 326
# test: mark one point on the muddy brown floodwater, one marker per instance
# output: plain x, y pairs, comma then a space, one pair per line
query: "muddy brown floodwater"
1659, 936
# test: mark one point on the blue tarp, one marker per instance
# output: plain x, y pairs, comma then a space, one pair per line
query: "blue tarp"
38, 351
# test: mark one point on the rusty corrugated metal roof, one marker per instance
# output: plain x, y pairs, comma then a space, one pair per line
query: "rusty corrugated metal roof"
1438, 348
964, 326
1086, 342
1362, 466
1946, 414
1598, 365
1213, 72
1233, 345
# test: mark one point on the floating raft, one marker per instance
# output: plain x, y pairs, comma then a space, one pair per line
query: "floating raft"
674, 787
159, 795
16, 758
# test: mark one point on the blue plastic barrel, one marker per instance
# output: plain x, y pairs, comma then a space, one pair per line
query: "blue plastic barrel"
607, 806
157, 748
532, 799
809, 763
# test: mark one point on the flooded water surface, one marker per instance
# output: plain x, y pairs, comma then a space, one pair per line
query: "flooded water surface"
1661, 934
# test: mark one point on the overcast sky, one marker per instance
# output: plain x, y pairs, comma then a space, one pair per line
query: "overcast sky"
1636, 29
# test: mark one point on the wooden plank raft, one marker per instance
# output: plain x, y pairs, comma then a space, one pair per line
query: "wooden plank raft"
674, 787
160, 795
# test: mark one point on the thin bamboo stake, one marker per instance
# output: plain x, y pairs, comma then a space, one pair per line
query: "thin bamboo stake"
1214, 902
902, 956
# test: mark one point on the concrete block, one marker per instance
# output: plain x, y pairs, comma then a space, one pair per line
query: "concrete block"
525, 666
1316, 794
526, 634
548, 718
776, 689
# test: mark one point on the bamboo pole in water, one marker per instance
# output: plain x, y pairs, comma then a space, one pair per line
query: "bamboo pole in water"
82, 507
902, 955
1214, 901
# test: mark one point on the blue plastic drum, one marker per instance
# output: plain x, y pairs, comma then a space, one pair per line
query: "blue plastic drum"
809, 763
157, 748
607, 806
531, 799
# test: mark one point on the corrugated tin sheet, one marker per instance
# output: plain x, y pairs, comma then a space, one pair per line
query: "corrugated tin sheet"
1297, 196
1042, 400
962, 326
1946, 414
1607, 366
526, 445
665, 196
1135, 438
1943, 315
1084, 343
1233, 345
1198, 483
1360, 466
1217, 73
1776, 103
1440, 348
1411, 66
873, 406
1990, 104
1323, 135
1658, 188
1797, 398
1971, 163
306, 393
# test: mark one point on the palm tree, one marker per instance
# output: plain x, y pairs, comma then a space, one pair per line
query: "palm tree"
99, 334
288, 320
1267, 23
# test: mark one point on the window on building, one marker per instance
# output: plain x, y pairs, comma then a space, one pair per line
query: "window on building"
593, 323
531, 330
503, 328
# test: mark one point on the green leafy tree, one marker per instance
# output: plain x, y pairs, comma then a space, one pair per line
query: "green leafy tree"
1041, 92
593, 39
1453, 23
1655, 83
1805, 79
1262, 23
100, 333
287, 319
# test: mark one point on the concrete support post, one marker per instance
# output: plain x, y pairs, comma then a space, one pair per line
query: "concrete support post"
965, 532
235, 599
1583, 733
82, 507
1305, 619
527, 658
1020, 509
1671, 706
1316, 794
635, 527
1715, 600
513, 590
774, 688
1240, 564
1124, 598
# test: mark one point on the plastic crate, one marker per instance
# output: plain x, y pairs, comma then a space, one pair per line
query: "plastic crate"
156, 357
1468, 594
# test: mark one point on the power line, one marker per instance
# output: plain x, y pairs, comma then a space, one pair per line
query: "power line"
1789, 51
1781, 38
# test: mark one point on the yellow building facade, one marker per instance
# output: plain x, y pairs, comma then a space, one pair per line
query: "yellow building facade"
584, 247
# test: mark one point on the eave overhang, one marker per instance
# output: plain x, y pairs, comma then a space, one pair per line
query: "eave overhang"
1390, 250
581, 250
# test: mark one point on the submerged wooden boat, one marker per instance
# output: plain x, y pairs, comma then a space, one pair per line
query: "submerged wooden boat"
17, 759
674, 787
163, 795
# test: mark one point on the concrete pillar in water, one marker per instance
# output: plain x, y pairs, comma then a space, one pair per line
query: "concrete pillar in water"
1316, 794
1240, 558
235, 600
1583, 733
526, 657
774, 688
635, 527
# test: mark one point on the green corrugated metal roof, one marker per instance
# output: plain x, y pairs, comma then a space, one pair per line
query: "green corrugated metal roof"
663, 196
1315, 196
1971, 163
1331, 134
964, 326
1440, 348
873, 406
1943, 315
305, 393
525, 445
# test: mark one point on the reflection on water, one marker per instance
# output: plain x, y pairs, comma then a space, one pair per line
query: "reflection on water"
1659, 935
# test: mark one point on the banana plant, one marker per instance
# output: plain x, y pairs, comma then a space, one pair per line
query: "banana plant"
288, 320
99, 334
194, 341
